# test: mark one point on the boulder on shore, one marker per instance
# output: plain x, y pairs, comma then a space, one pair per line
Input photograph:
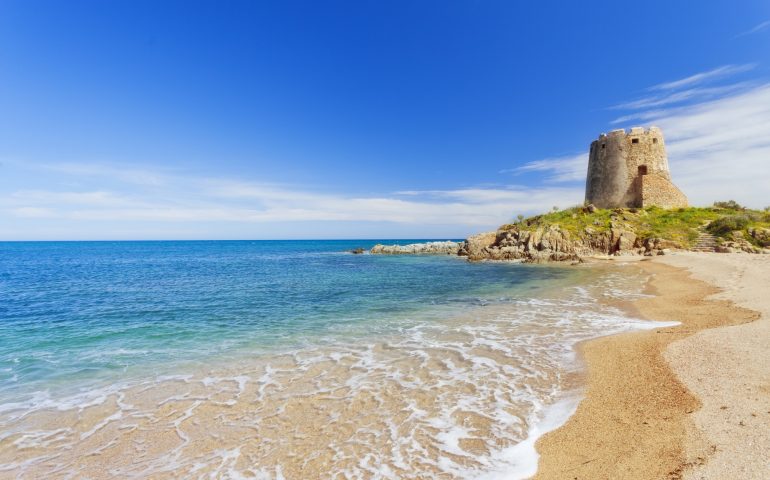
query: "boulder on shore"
475, 246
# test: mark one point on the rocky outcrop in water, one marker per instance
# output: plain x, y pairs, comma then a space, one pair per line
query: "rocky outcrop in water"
429, 248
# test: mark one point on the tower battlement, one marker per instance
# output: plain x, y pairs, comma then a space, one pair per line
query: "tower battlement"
630, 169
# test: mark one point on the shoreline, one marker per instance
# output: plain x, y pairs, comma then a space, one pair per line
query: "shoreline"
636, 416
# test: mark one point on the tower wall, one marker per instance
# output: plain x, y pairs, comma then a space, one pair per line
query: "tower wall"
618, 162
607, 179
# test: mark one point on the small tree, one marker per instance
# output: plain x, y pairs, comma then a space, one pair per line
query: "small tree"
555, 208
520, 218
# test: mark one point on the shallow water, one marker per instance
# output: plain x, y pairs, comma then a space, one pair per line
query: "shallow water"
286, 359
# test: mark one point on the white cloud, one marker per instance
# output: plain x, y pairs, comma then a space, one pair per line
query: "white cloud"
683, 93
756, 29
723, 71
194, 200
92, 198
691, 94
561, 169
32, 212
137, 176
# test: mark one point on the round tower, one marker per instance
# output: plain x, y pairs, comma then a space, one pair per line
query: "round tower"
618, 164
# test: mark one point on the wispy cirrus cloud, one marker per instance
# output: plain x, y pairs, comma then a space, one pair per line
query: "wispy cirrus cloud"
698, 78
685, 92
571, 168
691, 94
138, 176
680, 95
756, 29
81, 198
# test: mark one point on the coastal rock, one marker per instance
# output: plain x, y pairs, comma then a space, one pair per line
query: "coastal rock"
550, 242
761, 236
670, 244
738, 246
428, 248
357, 251
543, 244
475, 247
622, 239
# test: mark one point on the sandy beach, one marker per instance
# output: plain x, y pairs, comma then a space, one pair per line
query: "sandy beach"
691, 401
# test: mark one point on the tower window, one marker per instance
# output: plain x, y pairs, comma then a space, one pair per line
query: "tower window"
642, 169
603, 145
654, 140
635, 140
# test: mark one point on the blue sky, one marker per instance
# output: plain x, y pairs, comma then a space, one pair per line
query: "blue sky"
361, 119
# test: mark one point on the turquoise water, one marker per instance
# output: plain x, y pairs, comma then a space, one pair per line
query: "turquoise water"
287, 359
78, 311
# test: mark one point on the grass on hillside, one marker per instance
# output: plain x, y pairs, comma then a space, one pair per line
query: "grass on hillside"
681, 224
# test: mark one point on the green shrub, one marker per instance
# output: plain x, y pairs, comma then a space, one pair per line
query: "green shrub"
724, 225
729, 205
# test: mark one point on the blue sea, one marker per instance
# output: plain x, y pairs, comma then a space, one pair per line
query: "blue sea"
287, 359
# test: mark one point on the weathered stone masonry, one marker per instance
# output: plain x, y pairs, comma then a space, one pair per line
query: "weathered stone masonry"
631, 170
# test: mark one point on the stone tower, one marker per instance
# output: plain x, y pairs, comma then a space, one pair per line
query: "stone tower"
631, 170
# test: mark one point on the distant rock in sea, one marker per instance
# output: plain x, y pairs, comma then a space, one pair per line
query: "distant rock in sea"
428, 248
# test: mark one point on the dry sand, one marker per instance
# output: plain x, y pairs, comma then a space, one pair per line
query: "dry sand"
691, 401
729, 369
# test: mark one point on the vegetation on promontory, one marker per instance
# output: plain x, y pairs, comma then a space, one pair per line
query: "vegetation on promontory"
588, 231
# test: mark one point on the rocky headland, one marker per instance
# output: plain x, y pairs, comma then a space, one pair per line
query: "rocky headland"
583, 232
549, 243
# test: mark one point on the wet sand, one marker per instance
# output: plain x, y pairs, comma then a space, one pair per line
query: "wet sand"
651, 397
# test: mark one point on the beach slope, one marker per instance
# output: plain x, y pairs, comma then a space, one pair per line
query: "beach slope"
648, 411
728, 369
